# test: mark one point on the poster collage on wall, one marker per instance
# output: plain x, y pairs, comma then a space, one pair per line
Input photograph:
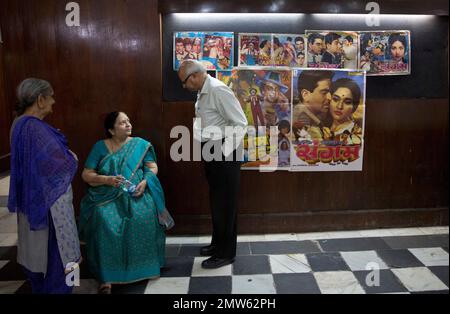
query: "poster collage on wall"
310, 88
318, 115
377, 53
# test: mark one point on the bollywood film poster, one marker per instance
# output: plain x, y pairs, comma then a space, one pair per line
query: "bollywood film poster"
289, 50
385, 52
327, 120
214, 49
333, 49
255, 49
265, 96
187, 46
218, 51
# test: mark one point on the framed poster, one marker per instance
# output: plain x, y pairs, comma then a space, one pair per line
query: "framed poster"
265, 96
218, 50
385, 52
214, 49
187, 46
289, 50
255, 49
333, 49
327, 120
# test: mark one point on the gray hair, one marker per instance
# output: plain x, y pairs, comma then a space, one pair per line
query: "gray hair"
193, 66
29, 91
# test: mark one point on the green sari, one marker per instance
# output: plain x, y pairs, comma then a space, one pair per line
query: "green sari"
124, 240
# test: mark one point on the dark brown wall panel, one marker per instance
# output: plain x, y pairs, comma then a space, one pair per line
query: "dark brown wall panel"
405, 166
113, 62
404, 181
436, 7
5, 119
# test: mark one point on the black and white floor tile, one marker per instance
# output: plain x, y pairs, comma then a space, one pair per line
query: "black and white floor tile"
410, 260
261, 269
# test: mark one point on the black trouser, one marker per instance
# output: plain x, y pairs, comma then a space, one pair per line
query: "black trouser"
224, 182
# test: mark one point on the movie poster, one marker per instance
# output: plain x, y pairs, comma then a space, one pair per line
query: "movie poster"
265, 96
187, 46
272, 50
255, 49
385, 52
218, 50
333, 49
327, 120
214, 50
289, 50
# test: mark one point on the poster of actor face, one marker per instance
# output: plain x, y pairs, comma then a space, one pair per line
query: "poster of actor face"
187, 46
327, 120
218, 50
385, 52
289, 50
265, 96
333, 49
214, 50
255, 49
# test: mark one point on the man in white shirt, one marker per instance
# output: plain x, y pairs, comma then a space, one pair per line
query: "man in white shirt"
216, 109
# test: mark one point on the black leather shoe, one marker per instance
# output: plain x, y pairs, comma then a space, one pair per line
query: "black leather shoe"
216, 262
207, 250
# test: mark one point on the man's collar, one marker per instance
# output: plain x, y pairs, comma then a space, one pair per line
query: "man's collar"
206, 85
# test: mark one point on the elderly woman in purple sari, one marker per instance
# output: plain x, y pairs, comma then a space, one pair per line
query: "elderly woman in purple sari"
123, 217
42, 169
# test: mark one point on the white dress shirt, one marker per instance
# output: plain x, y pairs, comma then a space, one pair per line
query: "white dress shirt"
217, 108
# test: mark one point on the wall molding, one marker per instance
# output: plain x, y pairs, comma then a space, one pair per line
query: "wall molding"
318, 221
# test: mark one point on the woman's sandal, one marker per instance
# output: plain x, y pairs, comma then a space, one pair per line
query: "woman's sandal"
104, 289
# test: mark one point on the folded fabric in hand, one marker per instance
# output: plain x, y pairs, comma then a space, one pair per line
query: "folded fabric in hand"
165, 219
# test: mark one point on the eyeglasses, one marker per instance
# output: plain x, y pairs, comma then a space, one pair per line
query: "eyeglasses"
186, 79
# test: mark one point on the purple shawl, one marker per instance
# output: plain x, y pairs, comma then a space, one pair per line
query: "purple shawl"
42, 168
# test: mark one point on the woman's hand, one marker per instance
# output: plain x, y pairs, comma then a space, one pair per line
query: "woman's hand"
114, 181
140, 189
91, 177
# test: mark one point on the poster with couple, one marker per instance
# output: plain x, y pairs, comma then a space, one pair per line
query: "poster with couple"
328, 117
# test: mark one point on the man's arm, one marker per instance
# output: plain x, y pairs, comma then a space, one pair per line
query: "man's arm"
230, 108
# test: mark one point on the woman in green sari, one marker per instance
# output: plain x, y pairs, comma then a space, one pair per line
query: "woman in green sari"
123, 227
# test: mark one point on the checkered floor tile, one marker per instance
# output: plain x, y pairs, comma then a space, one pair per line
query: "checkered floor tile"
401, 264
410, 260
